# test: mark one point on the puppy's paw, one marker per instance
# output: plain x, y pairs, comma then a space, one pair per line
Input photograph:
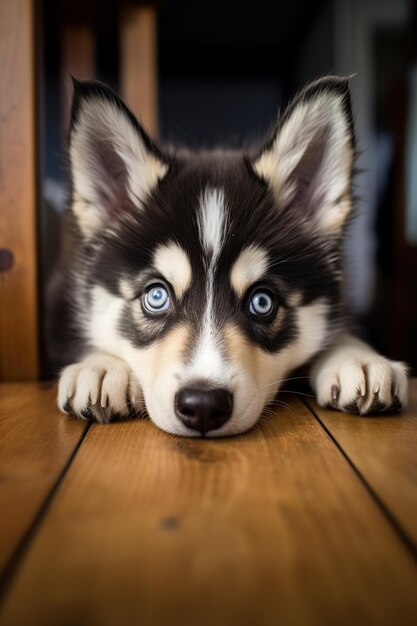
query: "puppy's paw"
101, 388
355, 379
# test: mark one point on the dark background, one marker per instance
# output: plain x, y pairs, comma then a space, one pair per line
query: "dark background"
226, 68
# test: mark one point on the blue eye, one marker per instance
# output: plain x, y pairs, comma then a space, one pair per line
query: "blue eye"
156, 298
261, 303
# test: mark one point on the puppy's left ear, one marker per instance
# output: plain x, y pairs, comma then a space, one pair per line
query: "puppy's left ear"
308, 162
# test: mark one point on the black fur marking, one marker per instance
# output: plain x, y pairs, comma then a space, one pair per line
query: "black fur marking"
299, 259
141, 336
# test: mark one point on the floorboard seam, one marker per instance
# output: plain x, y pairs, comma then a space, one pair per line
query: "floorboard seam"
9, 572
398, 528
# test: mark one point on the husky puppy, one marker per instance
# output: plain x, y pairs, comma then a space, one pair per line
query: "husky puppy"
198, 281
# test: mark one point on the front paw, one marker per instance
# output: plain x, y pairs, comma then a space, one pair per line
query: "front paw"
366, 385
101, 388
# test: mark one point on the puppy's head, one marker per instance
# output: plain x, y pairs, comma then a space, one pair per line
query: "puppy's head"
213, 274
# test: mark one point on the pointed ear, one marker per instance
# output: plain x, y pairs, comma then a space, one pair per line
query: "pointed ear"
308, 162
114, 164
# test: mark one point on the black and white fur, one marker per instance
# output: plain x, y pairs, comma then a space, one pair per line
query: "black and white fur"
213, 227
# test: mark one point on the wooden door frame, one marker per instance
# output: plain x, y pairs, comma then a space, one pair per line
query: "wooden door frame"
19, 294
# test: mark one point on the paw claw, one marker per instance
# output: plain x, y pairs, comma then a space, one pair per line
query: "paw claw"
335, 395
355, 379
97, 388
67, 407
86, 414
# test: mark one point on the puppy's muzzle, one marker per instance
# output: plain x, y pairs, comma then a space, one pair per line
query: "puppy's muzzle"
203, 409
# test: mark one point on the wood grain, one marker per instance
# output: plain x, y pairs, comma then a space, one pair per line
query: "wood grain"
18, 192
273, 527
384, 450
35, 444
138, 64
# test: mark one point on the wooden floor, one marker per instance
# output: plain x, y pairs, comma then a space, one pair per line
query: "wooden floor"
311, 518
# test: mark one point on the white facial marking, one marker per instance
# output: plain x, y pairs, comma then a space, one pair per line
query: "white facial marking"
212, 220
173, 263
312, 332
250, 266
102, 330
208, 361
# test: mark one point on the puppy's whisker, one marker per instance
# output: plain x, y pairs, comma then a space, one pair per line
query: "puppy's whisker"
297, 393
283, 380
285, 405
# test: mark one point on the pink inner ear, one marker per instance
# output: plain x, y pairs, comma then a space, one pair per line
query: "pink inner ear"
308, 177
110, 177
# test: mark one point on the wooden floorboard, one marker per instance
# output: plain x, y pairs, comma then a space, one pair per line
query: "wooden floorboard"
384, 450
273, 527
36, 442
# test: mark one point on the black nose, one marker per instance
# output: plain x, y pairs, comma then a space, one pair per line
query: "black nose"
203, 409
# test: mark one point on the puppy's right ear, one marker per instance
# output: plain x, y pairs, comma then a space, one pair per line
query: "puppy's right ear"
114, 164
